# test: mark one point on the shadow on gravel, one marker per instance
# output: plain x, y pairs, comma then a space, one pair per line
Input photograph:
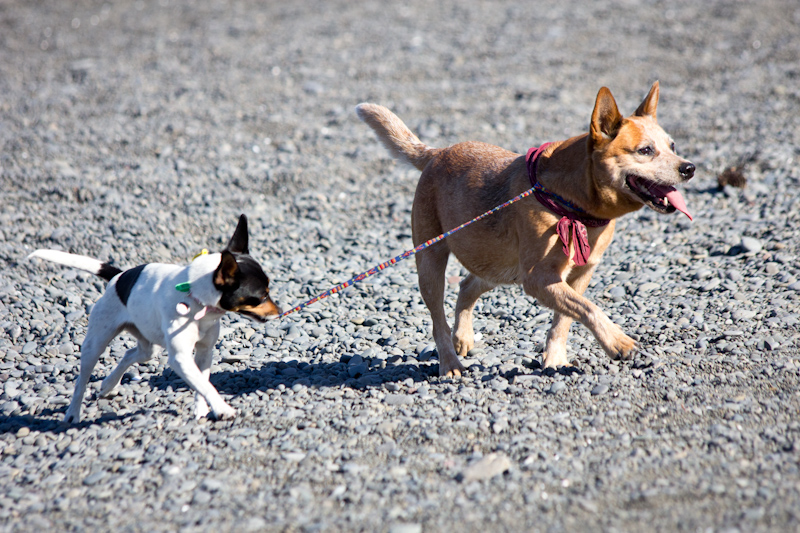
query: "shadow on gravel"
332, 375
269, 377
312, 375
49, 420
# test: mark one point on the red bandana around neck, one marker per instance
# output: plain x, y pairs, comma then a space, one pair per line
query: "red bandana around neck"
572, 216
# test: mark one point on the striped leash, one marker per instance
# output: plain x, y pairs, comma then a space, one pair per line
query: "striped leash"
404, 255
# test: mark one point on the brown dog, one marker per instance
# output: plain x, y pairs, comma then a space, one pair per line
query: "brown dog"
621, 165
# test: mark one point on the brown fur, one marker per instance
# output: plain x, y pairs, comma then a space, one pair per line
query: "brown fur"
519, 244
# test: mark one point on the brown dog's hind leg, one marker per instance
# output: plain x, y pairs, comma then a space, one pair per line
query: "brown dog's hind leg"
470, 289
431, 265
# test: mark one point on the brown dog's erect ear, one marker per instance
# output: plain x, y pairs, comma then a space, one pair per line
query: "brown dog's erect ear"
606, 118
238, 243
225, 274
648, 107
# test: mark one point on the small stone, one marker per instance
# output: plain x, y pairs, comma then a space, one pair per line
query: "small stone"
602, 388
236, 357
557, 387
711, 285
66, 349
357, 370
743, 314
617, 292
398, 399
406, 528
647, 287
490, 466
750, 245
201, 497
212, 485
6, 408
475, 352
94, 479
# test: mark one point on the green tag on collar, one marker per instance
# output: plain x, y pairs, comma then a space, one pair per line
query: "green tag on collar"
183, 287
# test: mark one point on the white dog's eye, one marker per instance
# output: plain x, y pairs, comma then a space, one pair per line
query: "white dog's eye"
647, 150
672, 147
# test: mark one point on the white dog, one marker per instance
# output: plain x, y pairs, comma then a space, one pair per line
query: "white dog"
175, 307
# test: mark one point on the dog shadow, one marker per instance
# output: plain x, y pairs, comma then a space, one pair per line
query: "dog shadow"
49, 421
279, 375
273, 375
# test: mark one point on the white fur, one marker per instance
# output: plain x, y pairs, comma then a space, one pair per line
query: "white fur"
80, 262
153, 315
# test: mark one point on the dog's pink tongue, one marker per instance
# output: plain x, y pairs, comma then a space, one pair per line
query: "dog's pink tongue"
676, 199
674, 196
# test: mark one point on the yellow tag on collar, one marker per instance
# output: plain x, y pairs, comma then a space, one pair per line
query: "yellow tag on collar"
204, 251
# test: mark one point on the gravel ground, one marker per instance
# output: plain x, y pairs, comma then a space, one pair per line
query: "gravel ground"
139, 131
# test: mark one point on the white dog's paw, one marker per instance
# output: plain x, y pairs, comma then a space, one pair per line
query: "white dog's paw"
226, 412
200, 408
107, 387
72, 416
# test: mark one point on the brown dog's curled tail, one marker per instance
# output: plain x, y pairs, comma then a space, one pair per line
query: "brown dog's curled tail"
396, 136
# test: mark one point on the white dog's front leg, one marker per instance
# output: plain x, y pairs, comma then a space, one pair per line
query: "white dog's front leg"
203, 356
181, 361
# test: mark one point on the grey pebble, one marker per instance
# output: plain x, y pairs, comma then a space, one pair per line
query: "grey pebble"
93, 479
751, 245
488, 467
405, 528
398, 399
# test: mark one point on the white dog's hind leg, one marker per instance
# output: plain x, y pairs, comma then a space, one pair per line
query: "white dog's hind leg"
137, 355
97, 339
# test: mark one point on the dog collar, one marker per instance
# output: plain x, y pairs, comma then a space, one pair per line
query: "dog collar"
572, 216
183, 309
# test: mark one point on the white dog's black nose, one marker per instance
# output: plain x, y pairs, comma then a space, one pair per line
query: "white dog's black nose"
686, 171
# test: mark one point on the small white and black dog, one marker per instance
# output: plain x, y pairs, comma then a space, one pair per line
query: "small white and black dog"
175, 307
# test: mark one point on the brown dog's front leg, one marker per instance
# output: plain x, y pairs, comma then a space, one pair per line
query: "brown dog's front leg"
553, 292
555, 352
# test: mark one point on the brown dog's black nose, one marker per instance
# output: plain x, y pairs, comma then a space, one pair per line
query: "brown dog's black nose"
686, 171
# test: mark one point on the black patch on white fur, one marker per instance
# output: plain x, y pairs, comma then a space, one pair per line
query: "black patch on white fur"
107, 272
126, 282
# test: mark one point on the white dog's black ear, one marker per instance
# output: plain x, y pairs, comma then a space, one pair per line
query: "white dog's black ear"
225, 274
239, 242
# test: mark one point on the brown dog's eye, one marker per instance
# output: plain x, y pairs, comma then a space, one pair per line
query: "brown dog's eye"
647, 150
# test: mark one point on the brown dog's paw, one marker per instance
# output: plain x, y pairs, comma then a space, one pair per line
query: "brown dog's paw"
555, 360
450, 367
463, 345
625, 349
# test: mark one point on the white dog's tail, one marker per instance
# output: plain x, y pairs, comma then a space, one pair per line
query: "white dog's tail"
81, 262
395, 135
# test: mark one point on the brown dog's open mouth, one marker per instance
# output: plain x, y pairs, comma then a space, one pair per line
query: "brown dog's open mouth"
663, 199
